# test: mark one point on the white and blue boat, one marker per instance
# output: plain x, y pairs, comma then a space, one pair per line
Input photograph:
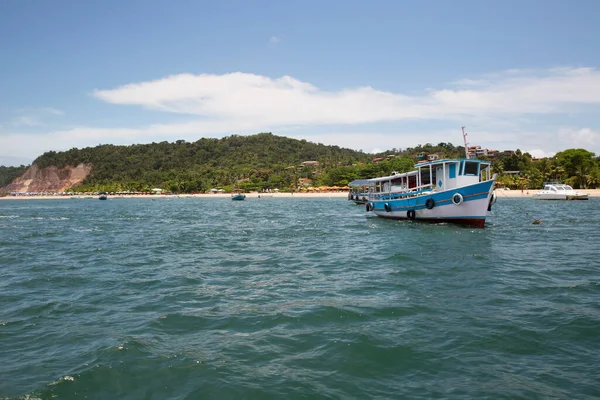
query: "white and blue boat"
458, 191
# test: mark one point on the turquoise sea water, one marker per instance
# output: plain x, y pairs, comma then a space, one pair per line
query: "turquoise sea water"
294, 299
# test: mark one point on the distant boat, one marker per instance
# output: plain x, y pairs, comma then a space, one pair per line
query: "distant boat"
558, 191
103, 196
459, 191
359, 191
239, 196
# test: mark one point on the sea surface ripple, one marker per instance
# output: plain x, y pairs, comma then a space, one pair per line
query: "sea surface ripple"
186, 298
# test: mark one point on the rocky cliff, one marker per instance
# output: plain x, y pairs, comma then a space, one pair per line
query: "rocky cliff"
51, 179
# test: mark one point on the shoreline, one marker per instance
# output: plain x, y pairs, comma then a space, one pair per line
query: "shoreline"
499, 193
197, 195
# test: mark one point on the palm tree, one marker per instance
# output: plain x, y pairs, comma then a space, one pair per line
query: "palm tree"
594, 179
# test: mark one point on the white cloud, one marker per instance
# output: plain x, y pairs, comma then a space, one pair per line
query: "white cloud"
503, 111
288, 101
274, 39
26, 120
539, 153
34, 116
584, 138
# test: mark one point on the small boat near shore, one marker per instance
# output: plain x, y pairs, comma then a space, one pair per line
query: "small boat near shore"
359, 191
559, 191
459, 191
238, 196
103, 196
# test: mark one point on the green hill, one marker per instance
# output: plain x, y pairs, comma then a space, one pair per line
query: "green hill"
266, 161
246, 162
7, 174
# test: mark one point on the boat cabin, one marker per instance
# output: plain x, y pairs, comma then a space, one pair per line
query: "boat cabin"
438, 175
556, 187
359, 190
359, 186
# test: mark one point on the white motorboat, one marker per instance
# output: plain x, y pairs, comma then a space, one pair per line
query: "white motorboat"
559, 191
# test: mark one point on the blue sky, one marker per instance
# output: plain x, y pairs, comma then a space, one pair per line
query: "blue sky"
364, 75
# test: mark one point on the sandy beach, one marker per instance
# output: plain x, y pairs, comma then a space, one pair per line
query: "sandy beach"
499, 192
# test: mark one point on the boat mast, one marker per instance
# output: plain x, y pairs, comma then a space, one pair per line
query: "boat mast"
465, 140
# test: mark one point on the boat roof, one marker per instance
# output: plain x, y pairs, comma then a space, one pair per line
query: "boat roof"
453, 160
555, 184
359, 182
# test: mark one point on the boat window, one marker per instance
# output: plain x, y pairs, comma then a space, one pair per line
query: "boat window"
471, 168
412, 181
452, 171
426, 177
396, 185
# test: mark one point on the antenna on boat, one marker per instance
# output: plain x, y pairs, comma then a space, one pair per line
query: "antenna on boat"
465, 139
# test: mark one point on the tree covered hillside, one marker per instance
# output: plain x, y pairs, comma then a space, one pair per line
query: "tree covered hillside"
266, 161
245, 162
7, 174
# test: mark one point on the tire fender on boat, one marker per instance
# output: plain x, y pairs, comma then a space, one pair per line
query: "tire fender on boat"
430, 203
368, 207
387, 207
410, 214
457, 199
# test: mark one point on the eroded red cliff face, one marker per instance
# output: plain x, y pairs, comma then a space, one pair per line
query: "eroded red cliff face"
51, 179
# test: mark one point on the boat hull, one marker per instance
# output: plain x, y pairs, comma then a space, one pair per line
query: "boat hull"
467, 205
359, 198
578, 196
